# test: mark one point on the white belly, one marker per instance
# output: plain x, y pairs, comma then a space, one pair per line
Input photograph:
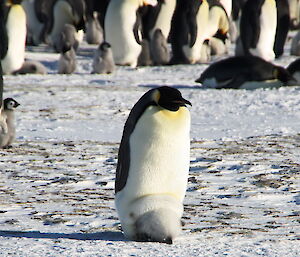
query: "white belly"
164, 18
268, 23
16, 30
119, 22
261, 84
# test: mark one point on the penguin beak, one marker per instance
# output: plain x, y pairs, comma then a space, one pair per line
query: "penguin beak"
150, 2
182, 102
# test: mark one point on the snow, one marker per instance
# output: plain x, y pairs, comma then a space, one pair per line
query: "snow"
56, 183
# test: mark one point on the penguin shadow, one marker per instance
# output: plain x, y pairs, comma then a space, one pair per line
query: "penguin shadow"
174, 86
106, 236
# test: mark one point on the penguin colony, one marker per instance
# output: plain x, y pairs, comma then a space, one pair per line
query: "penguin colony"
150, 186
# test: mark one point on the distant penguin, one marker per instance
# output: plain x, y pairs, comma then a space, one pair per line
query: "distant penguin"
258, 28
227, 4
159, 50
245, 72
31, 67
188, 31
159, 17
294, 69
67, 62
8, 132
294, 6
144, 58
282, 29
67, 39
123, 30
295, 45
218, 20
94, 31
16, 32
65, 12
153, 165
218, 47
34, 25
103, 61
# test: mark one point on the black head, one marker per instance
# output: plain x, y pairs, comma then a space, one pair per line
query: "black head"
10, 104
169, 98
283, 74
104, 46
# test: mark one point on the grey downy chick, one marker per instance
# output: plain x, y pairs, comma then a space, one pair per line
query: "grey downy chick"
103, 61
67, 62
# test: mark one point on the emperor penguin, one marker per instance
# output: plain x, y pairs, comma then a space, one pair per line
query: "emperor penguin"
294, 69
67, 61
153, 166
245, 72
188, 31
103, 61
122, 28
31, 67
258, 28
294, 6
159, 49
159, 17
34, 25
15, 22
8, 130
94, 31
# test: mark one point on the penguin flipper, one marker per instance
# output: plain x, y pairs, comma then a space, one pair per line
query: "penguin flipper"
192, 23
235, 83
137, 28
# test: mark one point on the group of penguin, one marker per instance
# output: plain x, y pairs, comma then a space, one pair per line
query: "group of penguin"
153, 32
154, 153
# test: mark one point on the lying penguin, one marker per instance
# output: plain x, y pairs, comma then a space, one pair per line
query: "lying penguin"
245, 72
294, 69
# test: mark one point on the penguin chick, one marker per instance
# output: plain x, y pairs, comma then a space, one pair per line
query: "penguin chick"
67, 62
31, 67
153, 165
7, 122
67, 39
103, 61
159, 48
144, 58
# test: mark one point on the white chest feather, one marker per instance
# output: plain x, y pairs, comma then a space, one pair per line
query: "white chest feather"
16, 30
164, 18
159, 154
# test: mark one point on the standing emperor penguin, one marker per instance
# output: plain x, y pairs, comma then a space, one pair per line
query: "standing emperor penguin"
188, 30
153, 165
15, 22
122, 28
258, 28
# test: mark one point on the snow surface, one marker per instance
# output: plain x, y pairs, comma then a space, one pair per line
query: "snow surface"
56, 183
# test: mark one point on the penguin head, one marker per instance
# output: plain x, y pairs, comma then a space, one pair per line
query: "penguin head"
169, 98
12, 2
10, 104
104, 46
283, 75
